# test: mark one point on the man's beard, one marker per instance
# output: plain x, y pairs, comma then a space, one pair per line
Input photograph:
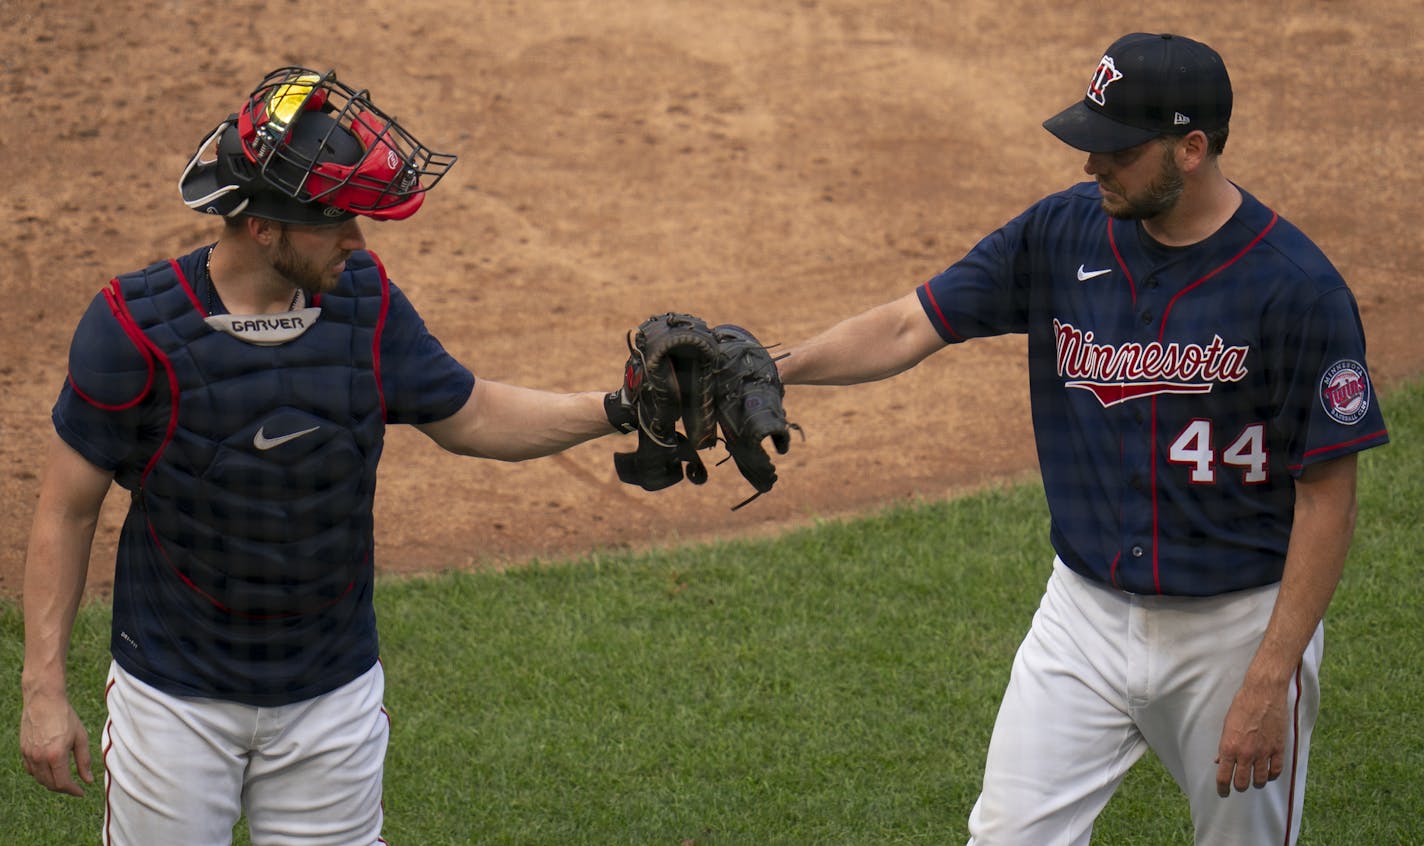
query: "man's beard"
300, 271
1161, 195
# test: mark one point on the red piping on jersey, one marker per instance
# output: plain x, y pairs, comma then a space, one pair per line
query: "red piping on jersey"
158, 544
188, 289
1295, 759
1156, 572
380, 328
1112, 568
1112, 242
1361, 439
136, 338
1244, 250
126, 319
938, 313
1161, 335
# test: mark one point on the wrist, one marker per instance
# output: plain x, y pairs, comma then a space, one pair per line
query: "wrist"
621, 415
35, 685
1269, 672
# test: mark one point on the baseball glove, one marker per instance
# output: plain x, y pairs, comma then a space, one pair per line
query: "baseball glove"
749, 406
669, 379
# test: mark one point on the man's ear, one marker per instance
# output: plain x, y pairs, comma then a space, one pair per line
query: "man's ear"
262, 231
1192, 150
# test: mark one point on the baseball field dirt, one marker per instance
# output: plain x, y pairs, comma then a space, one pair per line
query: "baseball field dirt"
775, 163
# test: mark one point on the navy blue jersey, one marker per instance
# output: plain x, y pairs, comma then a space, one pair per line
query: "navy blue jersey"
1177, 392
245, 566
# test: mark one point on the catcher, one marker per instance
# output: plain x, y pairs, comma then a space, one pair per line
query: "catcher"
708, 380
241, 392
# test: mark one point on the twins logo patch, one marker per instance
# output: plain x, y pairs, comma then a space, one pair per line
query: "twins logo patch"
1106, 74
1345, 392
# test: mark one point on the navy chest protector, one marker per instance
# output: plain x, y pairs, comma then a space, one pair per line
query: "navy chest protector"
259, 497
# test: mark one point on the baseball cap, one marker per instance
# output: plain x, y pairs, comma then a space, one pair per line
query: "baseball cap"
1147, 85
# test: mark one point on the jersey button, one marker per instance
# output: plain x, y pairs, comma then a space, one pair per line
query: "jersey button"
1147, 316
1152, 283
1138, 552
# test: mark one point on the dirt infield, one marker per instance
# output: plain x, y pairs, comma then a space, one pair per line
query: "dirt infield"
776, 164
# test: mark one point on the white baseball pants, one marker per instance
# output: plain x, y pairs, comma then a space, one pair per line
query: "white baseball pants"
179, 771
1104, 675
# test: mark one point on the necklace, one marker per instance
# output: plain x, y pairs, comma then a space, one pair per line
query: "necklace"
208, 272
212, 286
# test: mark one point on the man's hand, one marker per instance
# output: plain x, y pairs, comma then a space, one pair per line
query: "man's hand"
50, 733
1253, 740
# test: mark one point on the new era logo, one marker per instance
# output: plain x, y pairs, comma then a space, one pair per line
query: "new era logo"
1179, 119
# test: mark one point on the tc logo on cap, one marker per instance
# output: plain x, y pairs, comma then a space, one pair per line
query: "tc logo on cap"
1106, 74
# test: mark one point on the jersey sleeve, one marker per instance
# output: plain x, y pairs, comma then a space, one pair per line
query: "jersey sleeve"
986, 292
1329, 407
101, 408
421, 382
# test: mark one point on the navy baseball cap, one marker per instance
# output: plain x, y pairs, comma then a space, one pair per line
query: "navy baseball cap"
1147, 86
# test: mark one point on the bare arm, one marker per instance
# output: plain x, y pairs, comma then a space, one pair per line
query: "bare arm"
510, 423
55, 569
873, 345
1253, 739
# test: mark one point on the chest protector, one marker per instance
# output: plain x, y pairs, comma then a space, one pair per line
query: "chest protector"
259, 497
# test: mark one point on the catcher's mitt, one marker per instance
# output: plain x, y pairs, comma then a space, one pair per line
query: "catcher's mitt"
749, 406
669, 379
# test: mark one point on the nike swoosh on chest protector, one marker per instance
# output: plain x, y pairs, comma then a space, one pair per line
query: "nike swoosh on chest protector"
261, 441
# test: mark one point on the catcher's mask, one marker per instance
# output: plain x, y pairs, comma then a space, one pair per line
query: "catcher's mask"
308, 149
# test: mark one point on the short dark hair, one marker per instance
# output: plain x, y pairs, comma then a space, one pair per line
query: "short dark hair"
1215, 139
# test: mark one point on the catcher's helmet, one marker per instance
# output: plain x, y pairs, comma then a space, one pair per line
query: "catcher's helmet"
310, 150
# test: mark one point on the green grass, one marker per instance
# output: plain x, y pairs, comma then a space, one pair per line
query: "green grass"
834, 686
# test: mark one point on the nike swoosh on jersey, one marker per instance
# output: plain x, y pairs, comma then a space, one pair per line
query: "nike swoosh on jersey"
1085, 275
261, 441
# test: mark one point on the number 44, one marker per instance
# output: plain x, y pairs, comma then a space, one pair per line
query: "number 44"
1193, 448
